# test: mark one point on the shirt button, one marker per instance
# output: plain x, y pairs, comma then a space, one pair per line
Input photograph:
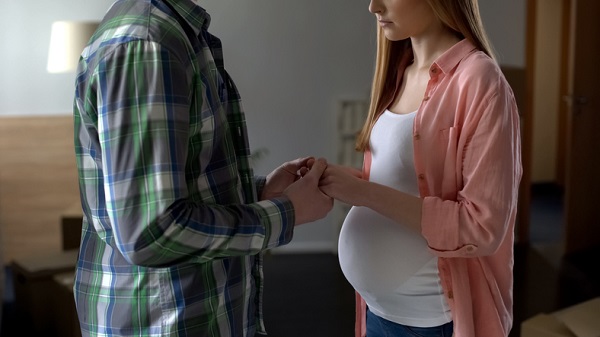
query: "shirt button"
434, 71
450, 294
417, 136
470, 249
421, 176
426, 98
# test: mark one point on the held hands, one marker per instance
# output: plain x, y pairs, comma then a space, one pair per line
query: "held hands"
284, 176
344, 184
311, 185
310, 204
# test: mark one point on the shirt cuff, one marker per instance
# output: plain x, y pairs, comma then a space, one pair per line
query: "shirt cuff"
278, 218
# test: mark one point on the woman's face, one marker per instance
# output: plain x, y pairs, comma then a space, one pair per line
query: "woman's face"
401, 19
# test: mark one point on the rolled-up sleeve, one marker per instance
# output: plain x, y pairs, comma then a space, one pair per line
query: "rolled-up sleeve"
485, 170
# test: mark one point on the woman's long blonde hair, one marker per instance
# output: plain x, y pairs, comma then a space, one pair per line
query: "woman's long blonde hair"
461, 16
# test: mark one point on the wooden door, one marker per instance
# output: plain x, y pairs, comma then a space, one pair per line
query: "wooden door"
582, 102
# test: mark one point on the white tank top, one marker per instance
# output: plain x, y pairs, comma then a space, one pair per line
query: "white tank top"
388, 264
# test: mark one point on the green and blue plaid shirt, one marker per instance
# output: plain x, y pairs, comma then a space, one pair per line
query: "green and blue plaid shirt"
172, 231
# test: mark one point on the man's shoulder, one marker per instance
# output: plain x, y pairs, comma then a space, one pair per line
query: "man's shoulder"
140, 22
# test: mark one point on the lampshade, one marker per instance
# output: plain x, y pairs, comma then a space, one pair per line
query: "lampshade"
67, 41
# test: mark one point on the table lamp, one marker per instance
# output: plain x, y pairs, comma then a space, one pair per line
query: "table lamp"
67, 41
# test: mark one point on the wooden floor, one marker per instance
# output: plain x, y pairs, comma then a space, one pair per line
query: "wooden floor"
307, 295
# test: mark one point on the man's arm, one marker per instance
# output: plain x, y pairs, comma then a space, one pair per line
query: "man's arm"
143, 127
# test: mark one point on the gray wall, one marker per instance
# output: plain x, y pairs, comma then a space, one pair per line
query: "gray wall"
292, 61
505, 24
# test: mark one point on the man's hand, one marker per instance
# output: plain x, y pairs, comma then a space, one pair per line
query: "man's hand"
283, 176
310, 204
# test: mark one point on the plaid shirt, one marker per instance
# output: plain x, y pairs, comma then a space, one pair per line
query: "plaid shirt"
172, 231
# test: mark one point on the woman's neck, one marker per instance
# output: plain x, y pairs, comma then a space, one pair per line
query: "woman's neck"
430, 45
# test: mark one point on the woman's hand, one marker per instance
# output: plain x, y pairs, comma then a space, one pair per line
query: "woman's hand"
347, 185
344, 184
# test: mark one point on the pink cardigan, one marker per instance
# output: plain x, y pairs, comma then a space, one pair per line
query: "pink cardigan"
468, 165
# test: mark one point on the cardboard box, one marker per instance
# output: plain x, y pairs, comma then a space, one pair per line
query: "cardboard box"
581, 320
33, 285
66, 323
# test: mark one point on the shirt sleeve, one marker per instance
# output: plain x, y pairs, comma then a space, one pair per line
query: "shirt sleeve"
489, 166
144, 95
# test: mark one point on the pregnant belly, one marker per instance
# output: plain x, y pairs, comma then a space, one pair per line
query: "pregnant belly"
377, 255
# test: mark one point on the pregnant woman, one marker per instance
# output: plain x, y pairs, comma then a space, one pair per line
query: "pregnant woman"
428, 244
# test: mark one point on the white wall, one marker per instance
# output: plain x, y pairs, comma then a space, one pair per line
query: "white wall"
25, 86
292, 61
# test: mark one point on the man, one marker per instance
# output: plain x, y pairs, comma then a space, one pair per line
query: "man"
174, 221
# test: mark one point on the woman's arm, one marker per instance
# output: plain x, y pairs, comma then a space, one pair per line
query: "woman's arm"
346, 184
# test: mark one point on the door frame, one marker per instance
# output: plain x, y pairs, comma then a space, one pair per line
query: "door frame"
524, 204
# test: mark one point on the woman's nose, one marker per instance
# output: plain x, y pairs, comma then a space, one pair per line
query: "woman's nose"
375, 7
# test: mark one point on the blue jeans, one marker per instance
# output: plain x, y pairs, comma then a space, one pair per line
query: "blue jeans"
380, 327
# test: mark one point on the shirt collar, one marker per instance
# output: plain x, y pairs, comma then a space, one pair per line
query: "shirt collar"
193, 14
451, 57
